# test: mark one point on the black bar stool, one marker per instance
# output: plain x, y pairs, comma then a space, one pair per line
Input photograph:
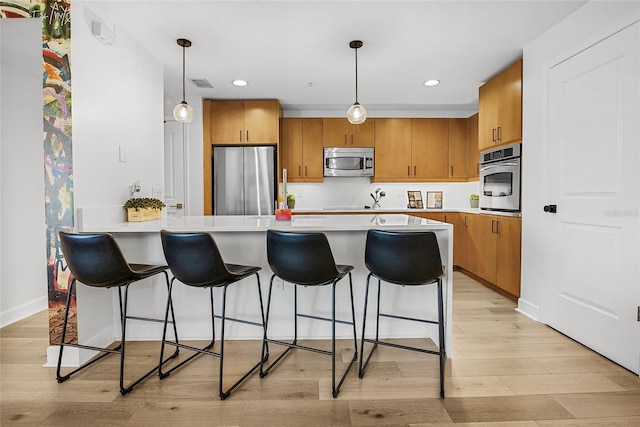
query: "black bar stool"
97, 261
195, 260
406, 259
305, 259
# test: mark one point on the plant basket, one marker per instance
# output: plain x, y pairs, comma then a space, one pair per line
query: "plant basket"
143, 214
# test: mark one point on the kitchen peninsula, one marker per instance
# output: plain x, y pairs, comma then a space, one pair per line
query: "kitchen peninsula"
242, 239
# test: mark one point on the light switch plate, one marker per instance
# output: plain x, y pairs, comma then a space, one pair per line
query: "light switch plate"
122, 153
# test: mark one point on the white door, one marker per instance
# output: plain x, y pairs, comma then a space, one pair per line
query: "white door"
592, 292
174, 177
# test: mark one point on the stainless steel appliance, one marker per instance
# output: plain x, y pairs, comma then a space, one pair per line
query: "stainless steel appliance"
500, 179
348, 161
244, 180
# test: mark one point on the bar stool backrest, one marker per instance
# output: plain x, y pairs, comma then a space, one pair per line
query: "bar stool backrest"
95, 259
194, 259
406, 258
301, 258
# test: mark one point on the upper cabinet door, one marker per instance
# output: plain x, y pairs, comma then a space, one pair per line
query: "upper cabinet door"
510, 112
261, 122
500, 108
227, 122
458, 149
473, 154
393, 150
335, 132
312, 150
291, 147
362, 135
430, 148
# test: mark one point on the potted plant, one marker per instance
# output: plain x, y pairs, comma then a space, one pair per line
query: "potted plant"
143, 209
291, 201
474, 200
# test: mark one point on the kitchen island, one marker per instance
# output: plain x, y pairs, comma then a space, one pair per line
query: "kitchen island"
242, 240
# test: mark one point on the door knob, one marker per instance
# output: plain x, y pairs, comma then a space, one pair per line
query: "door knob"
551, 208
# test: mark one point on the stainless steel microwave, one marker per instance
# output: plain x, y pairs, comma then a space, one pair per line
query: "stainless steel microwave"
348, 161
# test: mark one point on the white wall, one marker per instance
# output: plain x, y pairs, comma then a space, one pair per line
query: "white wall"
117, 105
589, 24
23, 268
117, 102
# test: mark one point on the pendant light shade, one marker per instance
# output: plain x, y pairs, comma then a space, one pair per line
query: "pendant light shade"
356, 114
183, 112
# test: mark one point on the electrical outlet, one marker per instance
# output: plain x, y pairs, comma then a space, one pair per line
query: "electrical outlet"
279, 283
156, 193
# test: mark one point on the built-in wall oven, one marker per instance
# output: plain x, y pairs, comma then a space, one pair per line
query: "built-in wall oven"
500, 179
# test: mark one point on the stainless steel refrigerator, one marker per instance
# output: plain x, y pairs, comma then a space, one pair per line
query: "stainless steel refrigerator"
244, 180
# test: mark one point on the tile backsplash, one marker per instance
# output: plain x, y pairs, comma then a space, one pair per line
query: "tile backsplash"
355, 192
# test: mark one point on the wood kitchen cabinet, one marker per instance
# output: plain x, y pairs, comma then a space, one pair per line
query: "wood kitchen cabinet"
419, 150
500, 109
392, 150
459, 245
429, 149
458, 140
301, 149
473, 154
338, 132
492, 250
244, 121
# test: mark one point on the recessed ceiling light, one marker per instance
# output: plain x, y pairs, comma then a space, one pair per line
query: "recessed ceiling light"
239, 83
432, 82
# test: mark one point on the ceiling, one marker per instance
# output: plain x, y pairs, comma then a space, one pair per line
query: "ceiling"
298, 51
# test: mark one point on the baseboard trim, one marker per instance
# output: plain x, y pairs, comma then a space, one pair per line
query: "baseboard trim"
23, 311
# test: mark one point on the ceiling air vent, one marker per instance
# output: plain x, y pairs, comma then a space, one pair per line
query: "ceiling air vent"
203, 83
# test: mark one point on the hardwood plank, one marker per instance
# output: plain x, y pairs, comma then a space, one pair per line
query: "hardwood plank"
599, 405
609, 422
560, 383
397, 412
507, 408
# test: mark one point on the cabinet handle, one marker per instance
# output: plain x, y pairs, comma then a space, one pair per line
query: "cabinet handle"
493, 221
247, 136
345, 139
451, 170
415, 171
409, 170
240, 135
465, 221
306, 172
493, 134
299, 170
498, 227
499, 133
478, 168
445, 219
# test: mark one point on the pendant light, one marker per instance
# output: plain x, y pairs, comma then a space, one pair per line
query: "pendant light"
356, 114
183, 112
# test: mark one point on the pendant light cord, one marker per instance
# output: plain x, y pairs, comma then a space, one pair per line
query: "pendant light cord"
356, 75
183, 75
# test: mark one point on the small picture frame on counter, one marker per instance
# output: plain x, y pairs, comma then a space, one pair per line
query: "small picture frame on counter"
415, 200
434, 199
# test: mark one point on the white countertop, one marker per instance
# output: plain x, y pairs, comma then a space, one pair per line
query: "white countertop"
236, 223
408, 211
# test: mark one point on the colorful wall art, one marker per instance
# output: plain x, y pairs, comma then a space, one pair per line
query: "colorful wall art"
58, 160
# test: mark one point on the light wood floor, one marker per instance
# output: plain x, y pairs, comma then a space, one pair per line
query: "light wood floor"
505, 370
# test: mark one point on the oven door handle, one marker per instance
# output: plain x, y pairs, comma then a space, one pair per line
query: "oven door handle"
497, 166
